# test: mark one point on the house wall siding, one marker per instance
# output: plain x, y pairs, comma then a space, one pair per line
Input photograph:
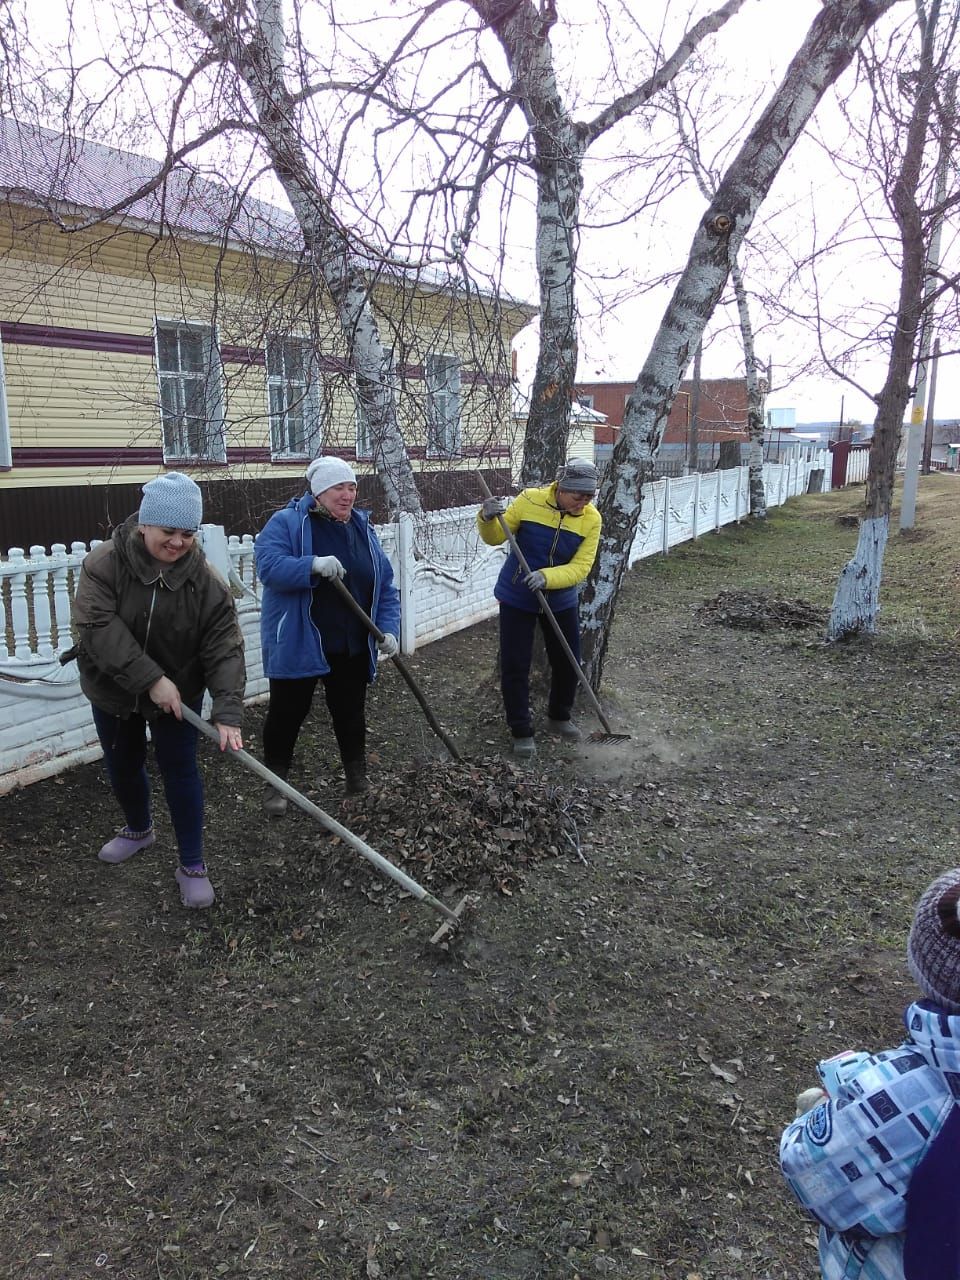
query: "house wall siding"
77, 318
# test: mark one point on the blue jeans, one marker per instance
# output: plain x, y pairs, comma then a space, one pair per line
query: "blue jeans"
517, 628
124, 745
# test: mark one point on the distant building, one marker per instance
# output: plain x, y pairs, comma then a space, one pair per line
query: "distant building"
721, 416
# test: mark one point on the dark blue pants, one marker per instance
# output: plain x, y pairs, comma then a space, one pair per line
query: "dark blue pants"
124, 745
516, 652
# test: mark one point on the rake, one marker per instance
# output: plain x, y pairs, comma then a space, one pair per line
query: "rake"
401, 666
451, 917
608, 735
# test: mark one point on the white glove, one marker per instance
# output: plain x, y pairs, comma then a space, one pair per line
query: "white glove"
493, 507
389, 645
328, 567
536, 581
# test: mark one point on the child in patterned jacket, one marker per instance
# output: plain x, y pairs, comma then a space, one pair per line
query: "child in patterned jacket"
876, 1157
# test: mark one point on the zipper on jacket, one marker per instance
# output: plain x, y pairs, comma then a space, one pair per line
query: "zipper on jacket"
153, 601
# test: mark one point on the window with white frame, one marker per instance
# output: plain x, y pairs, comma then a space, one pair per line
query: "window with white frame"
6, 456
296, 429
364, 436
442, 373
191, 392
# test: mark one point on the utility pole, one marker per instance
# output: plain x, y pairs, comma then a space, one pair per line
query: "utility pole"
908, 504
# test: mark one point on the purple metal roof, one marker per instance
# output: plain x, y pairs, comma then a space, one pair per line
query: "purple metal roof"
52, 170
63, 174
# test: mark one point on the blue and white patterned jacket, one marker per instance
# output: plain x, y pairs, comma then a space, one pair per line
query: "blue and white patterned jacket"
849, 1161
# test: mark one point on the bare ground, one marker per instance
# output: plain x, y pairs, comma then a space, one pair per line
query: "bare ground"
591, 1080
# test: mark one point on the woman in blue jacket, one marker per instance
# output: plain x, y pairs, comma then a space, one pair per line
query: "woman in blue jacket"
308, 632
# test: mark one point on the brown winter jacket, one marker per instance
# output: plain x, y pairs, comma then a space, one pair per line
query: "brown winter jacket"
137, 621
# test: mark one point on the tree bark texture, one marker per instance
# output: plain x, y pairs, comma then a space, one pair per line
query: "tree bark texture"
829, 47
755, 422
328, 258
559, 145
856, 603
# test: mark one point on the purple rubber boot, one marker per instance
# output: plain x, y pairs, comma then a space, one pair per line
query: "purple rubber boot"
196, 891
125, 844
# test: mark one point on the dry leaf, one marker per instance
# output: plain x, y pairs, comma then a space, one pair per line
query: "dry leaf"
579, 1179
729, 1077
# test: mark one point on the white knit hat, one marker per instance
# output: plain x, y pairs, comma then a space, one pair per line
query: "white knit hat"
172, 501
322, 473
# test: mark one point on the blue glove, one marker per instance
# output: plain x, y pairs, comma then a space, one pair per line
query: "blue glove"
536, 581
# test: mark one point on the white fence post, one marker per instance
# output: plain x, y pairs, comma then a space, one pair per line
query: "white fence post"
407, 584
666, 515
696, 508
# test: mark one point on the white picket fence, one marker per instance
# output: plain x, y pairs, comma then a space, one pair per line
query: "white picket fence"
445, 575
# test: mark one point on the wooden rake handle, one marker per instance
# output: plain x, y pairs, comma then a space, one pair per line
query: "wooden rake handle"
399, 663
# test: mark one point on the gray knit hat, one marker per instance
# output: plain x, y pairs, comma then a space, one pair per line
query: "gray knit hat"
933, 949
172, 501
577, 476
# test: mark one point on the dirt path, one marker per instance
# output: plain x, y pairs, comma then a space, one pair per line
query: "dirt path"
592, 1081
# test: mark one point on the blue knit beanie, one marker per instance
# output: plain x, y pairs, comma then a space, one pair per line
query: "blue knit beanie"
172, 501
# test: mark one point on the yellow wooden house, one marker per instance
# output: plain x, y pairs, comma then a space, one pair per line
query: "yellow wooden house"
179, 331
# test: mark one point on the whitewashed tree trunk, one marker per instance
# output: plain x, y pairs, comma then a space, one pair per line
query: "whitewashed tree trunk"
329, 256
829, 47
755, 422
856, 603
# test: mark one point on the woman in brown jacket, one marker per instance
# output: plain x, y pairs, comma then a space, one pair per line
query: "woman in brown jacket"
157, 625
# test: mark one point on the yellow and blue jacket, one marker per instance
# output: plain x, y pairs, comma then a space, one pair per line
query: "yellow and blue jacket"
561, 545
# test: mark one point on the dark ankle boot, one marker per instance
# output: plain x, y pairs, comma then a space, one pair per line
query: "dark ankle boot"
355, 772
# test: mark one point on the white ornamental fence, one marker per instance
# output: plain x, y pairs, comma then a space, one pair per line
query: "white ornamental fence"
445, 575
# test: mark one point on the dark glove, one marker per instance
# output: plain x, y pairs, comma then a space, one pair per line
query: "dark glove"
536, 581
493, 507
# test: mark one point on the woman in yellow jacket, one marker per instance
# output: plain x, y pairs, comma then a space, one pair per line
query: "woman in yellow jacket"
558, 531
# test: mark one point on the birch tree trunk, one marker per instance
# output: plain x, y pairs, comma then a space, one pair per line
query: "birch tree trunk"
559, 145
329, 256
829, 47
755, 422
856, 602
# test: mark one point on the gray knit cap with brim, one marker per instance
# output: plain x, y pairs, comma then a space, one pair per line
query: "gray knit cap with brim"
172, 501
933, 949
577, 476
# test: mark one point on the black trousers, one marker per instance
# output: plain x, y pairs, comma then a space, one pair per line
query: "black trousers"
345, 691
516, 652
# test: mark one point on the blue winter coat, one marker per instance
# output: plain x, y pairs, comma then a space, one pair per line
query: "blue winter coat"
292, 647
